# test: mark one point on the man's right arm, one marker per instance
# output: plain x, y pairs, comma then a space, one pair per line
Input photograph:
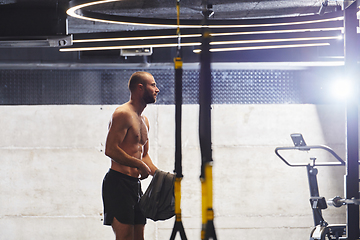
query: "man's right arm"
120, 123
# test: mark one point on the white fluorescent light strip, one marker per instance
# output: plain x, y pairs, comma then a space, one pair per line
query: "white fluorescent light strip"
134, 38
72, 12
199, 35
193, 44
278, 31
272, 40
263, 47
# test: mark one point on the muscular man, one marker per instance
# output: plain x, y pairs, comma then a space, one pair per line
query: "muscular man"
127, 145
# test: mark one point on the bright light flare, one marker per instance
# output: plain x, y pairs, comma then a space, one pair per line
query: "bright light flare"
342, 89
340, 37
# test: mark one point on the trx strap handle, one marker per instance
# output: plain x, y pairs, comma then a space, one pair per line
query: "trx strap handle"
178, 226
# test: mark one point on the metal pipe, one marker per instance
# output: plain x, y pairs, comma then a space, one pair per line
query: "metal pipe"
352, 131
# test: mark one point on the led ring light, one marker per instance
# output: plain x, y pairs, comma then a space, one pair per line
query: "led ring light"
78, 10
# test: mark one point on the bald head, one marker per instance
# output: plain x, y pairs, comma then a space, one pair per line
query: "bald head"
136, 78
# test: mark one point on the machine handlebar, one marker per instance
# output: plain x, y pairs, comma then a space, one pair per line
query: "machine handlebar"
340, 162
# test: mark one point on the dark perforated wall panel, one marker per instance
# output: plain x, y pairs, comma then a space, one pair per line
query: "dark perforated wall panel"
109, 86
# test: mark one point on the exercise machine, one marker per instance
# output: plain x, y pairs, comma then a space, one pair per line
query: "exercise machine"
322, 230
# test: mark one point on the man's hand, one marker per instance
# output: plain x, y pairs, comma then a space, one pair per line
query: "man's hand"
144, 170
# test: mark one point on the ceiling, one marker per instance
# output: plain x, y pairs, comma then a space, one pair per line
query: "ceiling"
49, 18
166, 9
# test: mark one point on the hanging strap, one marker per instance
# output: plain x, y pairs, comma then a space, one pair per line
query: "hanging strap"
178, 226
208, 229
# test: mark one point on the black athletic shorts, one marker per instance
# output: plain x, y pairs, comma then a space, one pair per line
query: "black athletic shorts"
121, 195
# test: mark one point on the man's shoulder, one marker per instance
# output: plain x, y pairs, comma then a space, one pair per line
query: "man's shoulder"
122, 108
123, 111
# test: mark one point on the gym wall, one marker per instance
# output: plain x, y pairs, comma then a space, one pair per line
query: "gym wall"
54, 124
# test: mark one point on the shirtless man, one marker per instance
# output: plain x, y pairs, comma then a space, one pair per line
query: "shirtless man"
127, 145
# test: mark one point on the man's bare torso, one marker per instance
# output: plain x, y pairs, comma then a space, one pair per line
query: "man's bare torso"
136, 136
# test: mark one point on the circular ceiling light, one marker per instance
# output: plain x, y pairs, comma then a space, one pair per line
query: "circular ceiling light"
78, 10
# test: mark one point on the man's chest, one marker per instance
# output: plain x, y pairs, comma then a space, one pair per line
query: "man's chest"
138, 131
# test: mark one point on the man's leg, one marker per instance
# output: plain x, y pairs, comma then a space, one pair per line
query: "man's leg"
139, 232
122, 231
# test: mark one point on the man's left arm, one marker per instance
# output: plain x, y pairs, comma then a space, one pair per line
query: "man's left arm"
147, 160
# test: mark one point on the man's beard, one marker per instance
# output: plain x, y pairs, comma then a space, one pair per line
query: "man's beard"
148, 98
